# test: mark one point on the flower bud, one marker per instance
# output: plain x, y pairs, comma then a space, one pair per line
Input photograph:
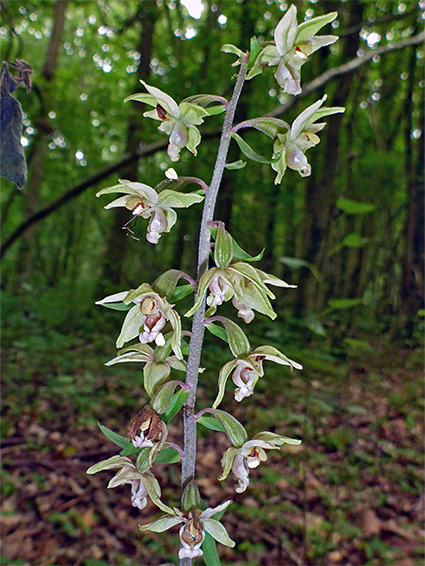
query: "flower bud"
145, 427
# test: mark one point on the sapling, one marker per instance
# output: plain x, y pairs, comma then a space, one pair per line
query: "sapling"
153, 319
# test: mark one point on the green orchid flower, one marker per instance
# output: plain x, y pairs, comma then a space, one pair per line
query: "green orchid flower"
293, 44
147, 318
179, 121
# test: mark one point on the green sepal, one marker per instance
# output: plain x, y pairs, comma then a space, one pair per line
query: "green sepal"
202, 289
254, 51
249, 152
109, 464
308, 29
223, 249
239, 164
233, 429
176, 403
227, 461
253, 275
275, 440
162, 397
222, 380
238, 341
210, 422
117, 439
130, 327
191, 498
267, 125
155, 374
217, 331
173, 199
162, 524
165, 284
154, 491
229, 48
145, 98
142, 289
117, 306
238, 252
253, 298
218, 531
327, 111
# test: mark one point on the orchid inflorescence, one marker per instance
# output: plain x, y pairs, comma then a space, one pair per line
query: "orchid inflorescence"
153, 320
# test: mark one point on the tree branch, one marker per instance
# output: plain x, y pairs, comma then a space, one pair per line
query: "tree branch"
158, 146
347, 68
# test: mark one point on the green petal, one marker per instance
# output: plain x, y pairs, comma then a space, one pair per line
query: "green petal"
109, 464
218, 531
227, 461
202, 289
161, 525
155, 374
154, 491
308, 29
222, 380
255, 299
131, 326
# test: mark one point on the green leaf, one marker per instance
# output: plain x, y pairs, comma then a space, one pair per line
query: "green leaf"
308, 29
236, 165
117, 439
254, 50
168, 456
176, 403
238, 340
217, 331
353, 207
209, 548
181, 292
344, 303
353, 241
210, 422
296, 263
249, 152
117, 306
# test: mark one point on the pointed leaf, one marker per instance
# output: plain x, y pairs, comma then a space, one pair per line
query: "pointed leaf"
209, 548
352, 207
208, 421
117, 439
181, 292
176, 403
217, 331
168, 456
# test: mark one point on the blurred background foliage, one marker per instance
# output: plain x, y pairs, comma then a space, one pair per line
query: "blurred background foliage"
350, 236
358, 268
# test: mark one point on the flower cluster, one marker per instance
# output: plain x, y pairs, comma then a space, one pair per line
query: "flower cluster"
178, 121
292, 46
146, 202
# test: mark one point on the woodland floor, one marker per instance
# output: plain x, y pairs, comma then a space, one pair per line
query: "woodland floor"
351, 494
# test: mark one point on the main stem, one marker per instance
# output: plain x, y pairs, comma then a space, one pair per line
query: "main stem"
198, 329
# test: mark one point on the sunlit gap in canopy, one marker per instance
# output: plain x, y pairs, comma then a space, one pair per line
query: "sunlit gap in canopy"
194, 7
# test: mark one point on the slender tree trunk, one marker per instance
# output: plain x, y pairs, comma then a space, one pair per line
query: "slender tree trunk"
37, 156
114, 255
412, 256
321, 191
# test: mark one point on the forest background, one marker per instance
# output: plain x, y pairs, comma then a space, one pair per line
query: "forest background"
350, 236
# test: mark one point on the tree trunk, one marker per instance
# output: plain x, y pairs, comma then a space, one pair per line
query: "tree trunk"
38, 151
117, 243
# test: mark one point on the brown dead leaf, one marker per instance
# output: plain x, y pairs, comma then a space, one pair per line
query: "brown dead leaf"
370, 523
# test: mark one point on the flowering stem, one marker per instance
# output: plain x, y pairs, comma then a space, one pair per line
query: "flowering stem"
198, 329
